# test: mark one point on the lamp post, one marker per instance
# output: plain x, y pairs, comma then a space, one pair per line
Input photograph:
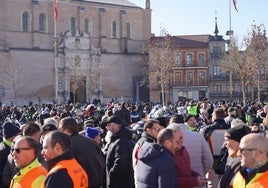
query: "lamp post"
136, 80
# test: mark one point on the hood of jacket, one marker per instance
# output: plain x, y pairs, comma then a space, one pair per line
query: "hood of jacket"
149, 151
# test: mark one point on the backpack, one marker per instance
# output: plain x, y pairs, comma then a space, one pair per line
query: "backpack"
219, 163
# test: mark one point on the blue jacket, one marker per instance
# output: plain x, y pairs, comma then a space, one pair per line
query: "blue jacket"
156, 167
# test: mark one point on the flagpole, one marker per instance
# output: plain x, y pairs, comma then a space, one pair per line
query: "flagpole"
230, 49
230, 15
56, 49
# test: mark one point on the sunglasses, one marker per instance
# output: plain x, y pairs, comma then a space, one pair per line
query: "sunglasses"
18, 150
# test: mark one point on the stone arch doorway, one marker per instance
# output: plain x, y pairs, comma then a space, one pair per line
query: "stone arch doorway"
78, 89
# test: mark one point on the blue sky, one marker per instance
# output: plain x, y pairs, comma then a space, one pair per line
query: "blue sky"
190, 17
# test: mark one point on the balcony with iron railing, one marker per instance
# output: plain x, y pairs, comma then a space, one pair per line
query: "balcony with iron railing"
197, 83
194, 65
219, 77
236, 94
184, 84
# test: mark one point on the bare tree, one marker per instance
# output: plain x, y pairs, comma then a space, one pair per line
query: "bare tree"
143, 60
234, 63
93, 72
10, 76
162, 55
256, 54
250, 64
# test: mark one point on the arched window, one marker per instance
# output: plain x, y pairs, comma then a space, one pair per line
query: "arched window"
87, 26
25, 21
179, 60
42, 22
128, 30
114, 29
73, 25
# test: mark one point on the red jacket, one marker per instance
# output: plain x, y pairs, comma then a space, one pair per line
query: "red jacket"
186, 177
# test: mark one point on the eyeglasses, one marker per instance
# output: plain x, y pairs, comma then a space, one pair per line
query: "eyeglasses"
18, 150
246, 149
157, 129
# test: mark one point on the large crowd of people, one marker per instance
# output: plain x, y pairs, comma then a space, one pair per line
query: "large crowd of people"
125, 145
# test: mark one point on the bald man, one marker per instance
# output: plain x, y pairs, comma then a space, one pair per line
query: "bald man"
254, 166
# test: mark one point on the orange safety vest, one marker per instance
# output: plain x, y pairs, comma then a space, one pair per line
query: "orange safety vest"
75, 171
259, 181
29, 177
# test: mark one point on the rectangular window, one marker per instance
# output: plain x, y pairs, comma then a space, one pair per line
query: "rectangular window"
228, 88
201, 59
190, 78
178, 78
128, 30
182, 95
216, 70
189, 59
202, 78
217, 89
216, 52
190, 94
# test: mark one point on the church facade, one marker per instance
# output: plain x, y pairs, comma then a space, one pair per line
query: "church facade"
88, 49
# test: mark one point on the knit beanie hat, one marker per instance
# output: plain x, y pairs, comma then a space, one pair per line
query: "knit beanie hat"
10, 129
236, 133
114, 119
91, 132
187, 117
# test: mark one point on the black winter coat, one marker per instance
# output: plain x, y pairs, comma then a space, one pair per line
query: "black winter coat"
4, 152
217, 124
229, 174
119, 171
87, 152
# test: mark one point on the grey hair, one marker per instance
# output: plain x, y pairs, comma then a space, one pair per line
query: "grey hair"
174, 126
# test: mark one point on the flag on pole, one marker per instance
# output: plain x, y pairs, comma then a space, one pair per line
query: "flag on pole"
234, 2
56, 12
